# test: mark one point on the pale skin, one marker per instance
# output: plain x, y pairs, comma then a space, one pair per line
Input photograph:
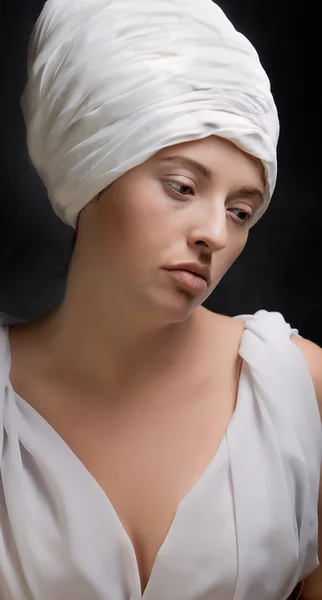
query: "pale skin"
143, 342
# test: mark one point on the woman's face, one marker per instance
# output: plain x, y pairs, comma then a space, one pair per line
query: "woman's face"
167, 211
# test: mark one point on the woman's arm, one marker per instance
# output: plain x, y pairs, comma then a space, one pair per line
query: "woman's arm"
312, 588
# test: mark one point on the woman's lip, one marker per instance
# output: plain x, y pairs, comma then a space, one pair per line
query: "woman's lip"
189, 281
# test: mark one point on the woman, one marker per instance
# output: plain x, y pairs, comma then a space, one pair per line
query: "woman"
151, 448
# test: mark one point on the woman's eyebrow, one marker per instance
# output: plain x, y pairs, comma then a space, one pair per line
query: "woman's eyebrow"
192, 164
249, 192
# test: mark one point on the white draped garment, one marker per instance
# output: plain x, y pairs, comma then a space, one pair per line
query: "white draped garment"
247, 530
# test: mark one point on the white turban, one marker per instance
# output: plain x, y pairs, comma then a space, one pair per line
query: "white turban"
112, 82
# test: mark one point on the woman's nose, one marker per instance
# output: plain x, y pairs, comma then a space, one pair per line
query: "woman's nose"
211, 229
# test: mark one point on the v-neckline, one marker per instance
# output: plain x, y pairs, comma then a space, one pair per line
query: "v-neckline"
138, 595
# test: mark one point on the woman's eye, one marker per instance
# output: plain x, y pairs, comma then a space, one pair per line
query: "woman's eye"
186, 190
183, 186
244, 216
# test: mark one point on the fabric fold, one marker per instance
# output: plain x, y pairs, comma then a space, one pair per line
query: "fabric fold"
112, 83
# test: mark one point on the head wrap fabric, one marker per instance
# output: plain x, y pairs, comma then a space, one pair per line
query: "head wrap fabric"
112, 82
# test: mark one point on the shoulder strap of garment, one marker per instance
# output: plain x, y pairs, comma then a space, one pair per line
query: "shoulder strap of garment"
278, 366
281, 380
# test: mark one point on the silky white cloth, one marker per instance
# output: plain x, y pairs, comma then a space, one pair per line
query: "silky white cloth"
112, 82
246, 531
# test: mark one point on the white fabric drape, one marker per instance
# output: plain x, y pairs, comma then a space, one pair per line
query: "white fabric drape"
112, 82
246, 531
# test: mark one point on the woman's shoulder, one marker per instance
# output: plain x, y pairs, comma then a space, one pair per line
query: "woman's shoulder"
262, 327
266, 326
264, 319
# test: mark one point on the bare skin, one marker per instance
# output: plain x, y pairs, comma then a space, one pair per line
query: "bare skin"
146, 445
129, 360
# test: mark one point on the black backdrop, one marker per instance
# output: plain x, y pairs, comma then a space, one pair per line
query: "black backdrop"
280, 269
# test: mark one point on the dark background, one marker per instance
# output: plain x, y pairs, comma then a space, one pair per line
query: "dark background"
280, 268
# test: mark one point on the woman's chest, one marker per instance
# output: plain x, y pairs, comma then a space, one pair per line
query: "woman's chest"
146, 459
148, 448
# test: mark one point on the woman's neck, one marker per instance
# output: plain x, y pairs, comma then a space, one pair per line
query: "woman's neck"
106, 351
